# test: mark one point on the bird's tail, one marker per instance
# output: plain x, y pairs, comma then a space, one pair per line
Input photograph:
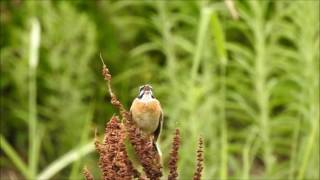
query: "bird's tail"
158, 149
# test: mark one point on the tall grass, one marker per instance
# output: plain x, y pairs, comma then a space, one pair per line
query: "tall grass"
46, 91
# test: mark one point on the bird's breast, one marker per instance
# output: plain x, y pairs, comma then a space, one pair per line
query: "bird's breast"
146, 115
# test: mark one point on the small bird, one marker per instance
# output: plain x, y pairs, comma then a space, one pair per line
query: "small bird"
147, 113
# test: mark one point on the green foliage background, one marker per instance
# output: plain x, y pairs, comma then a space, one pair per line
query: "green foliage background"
249, 87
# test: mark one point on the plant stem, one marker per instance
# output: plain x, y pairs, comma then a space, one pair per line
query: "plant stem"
33, 62
224, 131
201, 38
310, 143
246, 154
293, 154
167, 41
74, 174
262, 95
219, 39
12, 154
309, 49
65, 160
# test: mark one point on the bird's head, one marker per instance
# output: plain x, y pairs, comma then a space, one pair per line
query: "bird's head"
145, 92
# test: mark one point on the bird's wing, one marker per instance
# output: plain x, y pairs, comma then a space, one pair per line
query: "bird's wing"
158, 130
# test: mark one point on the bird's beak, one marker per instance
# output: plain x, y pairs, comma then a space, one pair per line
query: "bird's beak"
147, 92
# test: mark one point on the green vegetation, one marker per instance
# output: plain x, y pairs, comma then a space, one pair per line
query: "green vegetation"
248, 86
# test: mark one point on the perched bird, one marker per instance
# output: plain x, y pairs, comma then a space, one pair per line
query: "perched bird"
147, 113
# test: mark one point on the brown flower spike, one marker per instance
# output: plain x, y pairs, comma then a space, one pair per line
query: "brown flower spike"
87, 174
145, 151
173, 161
199, 166
114, 161
147, 154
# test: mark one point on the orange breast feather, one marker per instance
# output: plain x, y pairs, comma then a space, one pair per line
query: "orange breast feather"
150, 107
146, 115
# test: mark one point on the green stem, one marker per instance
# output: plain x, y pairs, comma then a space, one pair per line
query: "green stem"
306, 157
33, 62
246, 154
201, 39
65, 160
219, 39
293, 154
12, 154
224, 131
312, 77
167, 40
84, 138
260, 85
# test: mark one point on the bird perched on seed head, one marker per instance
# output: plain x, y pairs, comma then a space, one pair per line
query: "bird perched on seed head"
147, 113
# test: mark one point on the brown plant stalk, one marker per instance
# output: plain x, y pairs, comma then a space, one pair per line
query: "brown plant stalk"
114, 162
199, 165
114, 100
87, 174
142, 144
145, 151
173, 161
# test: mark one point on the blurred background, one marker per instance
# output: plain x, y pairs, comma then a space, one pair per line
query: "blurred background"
244, 75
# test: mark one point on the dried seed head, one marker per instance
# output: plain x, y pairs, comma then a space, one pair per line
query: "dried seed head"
173, 167
145, 151
199, 166
144, 148
105, 71
114, 162
87, 174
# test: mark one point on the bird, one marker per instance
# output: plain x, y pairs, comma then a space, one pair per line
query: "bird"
147, 114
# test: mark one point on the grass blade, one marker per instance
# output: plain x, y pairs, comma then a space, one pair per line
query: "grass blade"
33, 62
219, 40
12, 154
65, 160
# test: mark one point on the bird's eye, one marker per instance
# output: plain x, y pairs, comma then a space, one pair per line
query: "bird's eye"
141, 88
